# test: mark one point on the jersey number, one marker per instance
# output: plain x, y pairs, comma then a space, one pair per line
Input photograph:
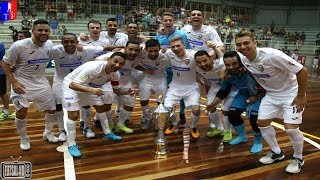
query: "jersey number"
178, 74
37, 66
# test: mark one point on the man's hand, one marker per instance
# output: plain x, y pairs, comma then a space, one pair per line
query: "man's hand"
18, 88
148, 71
300, 102
84, 37
210, 108
97, 91
211, 44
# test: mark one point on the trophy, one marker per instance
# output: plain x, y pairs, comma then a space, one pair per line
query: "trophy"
161, 114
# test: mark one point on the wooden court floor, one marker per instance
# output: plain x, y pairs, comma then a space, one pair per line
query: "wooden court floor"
132, 157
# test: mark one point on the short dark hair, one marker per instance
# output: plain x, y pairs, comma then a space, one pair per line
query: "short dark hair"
132, 42
197, 10
123, 55
26, 33
111, 19
152, 43
167, 14
69, 34
201, 53
233, 54
40, 21
93, 22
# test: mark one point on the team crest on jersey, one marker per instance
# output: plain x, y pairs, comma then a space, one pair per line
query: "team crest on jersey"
61, 56
187, 61
78, 57
291, 62
48, 52
261, 68
157, 63
200, 37
132, 65
68, 104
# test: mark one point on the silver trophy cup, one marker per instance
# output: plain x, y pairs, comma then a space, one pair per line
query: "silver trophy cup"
160, 114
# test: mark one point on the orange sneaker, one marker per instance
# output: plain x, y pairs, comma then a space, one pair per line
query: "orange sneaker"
195, 133
170, 129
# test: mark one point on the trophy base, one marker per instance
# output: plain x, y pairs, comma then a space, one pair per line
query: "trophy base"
161, 151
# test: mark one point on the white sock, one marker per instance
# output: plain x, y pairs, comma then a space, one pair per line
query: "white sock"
269, 135
296, 138
71, 129
50, 120
85, 116
21, 125
6, 111
216, 120
109, 117
226, 123
59, 116
104, 122
194, 120
124, 115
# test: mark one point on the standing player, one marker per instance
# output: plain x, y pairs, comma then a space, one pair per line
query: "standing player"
247, 99
184, 84
29, 82
315, 63
155, 80
67, 58
167, 33
83, 87
210, 68
285, 82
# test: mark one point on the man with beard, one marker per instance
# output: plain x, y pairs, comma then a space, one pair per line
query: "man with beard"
210, 68
285, 81
28, 81
83, 87
248, 98
68, 57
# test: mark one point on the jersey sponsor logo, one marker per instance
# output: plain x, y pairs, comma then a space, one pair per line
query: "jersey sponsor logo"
97, 54
261, 68
262, 75
198, 43
78, 58
149, 67
181, 68
95, 85
36, 61
71, 65
68, 98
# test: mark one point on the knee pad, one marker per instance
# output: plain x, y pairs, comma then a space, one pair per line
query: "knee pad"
58, 107
234, 116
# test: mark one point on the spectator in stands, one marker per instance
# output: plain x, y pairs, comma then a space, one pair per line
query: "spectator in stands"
25, 24
315, 64
63, 30
70, 11
54, 24
295, 54
23, 34
14, 33
119, 17
61, 10
22, 6
318, 39
286, 50
47, 8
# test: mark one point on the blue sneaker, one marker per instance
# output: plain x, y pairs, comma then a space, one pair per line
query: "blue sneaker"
111, 136
74, 151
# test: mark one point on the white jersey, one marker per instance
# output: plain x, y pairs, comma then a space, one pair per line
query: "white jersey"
315, 62
91, 42
183, 68
66, 63
295, 57
92, 74
158, 66
119, 39
198, 39
127, 70
30, 62
275, 72
214, 74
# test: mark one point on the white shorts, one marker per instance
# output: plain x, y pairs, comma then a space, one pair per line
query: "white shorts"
146, 88
271, 107
189, 93
73, 100
57, 90
108, 97
42, 98
226, 103
315, 66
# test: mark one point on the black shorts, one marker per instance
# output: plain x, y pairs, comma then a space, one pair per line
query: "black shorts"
3, 84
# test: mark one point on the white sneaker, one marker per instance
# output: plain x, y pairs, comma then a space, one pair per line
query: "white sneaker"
89, 133
62, 136
25, 144
50, 137
295, 165
271, 157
